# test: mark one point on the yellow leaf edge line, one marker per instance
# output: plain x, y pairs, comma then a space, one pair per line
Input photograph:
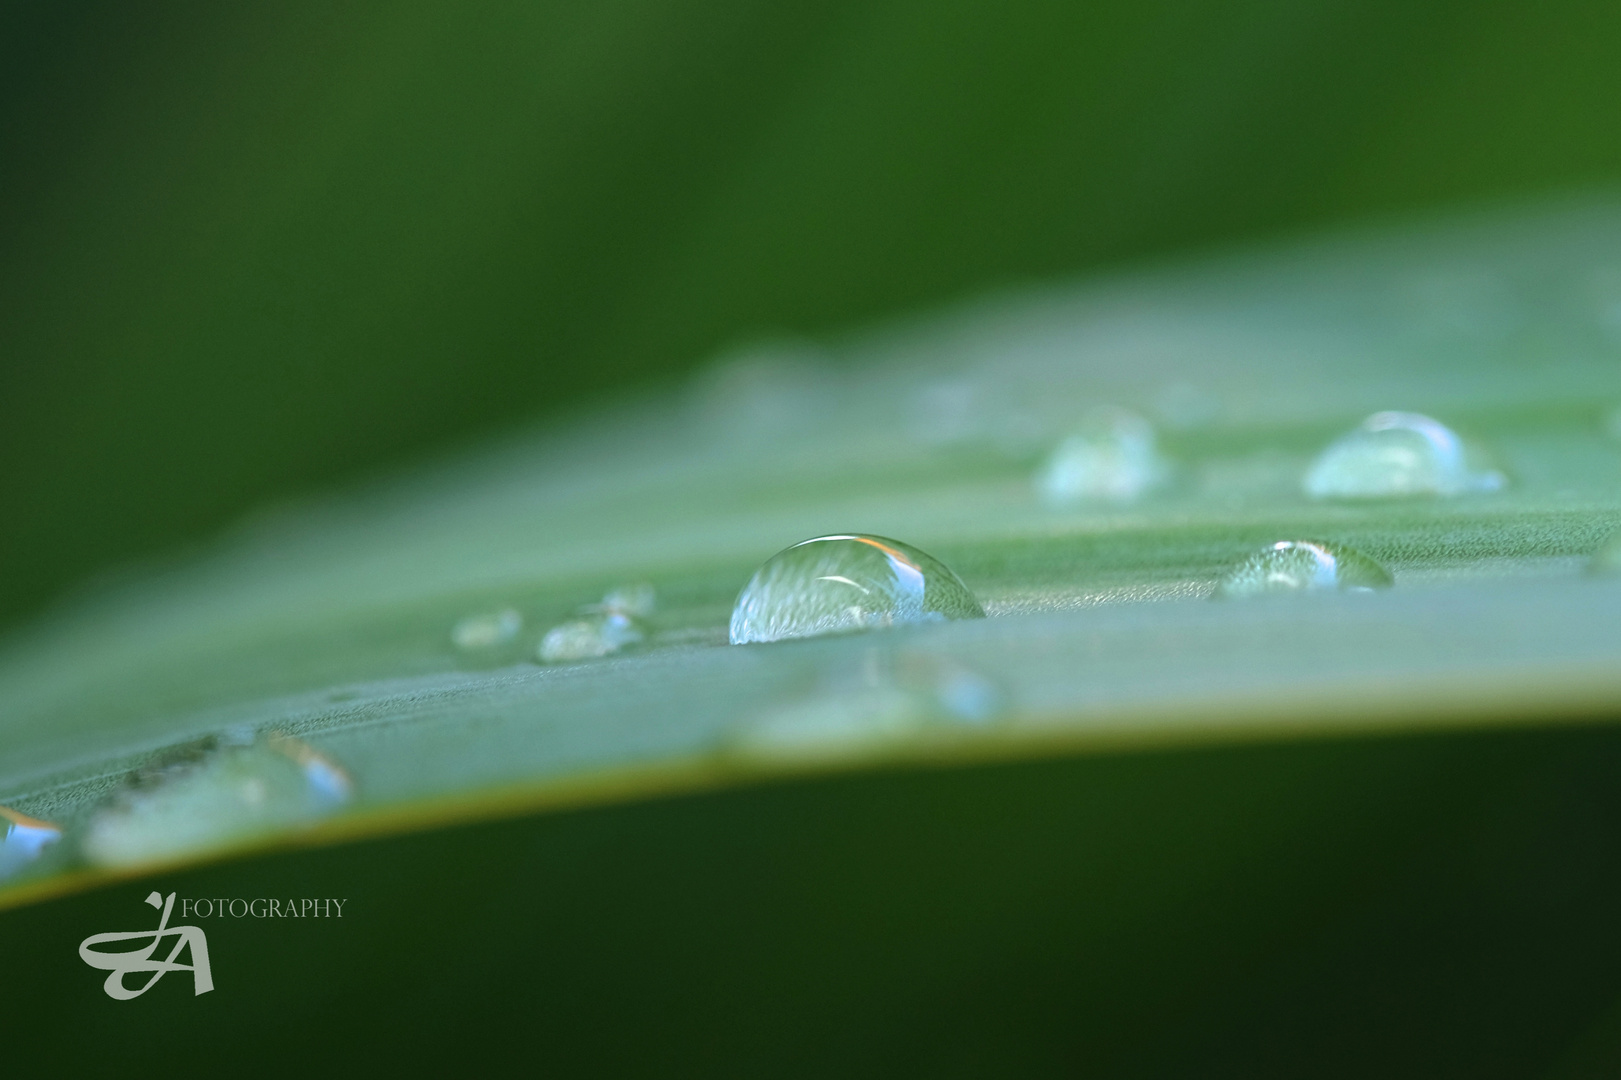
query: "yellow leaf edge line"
1394, 709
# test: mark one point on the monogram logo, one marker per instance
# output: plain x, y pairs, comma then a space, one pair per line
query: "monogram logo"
137, 961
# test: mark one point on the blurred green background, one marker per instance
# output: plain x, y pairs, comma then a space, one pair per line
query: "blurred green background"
252, 250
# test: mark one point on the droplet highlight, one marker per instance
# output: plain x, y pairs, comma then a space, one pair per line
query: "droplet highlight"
212, 794
1113, 457
22, 840
486, 630
1397, 455
843, 583
1292, 566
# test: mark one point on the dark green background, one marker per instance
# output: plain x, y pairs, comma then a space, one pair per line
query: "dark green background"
1404, 907
247, 250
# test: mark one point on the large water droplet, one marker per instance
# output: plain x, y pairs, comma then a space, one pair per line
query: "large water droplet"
885, 701
1112, 458
214, 793
1303, 566
1397, 454
487, 630
22, 839
834, 584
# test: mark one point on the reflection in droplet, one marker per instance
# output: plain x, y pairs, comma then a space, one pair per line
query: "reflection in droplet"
1113, 457
22, 839
885, 702
212, 794
1303, 566
833, 584
1397, 454
487, 630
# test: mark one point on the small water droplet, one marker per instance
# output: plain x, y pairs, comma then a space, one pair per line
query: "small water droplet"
22, 839
213, 793
1395, 455
884, 701
834, 584
590, 638
1303, 566
602, 629
486, 630
1113, 457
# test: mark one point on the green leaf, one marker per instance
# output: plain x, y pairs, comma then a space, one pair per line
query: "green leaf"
329, 626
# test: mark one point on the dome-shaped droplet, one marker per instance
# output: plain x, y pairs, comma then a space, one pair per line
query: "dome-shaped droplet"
22, 839
486, 630
834, 584
1113, 457
1303, 566
212, 794
1394, 455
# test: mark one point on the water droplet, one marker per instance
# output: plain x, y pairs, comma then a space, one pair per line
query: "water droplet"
487, 630
834, 584
602, 629
22, 839
589, 638
1112, 458
883, 702
1303, 566
1393, 455
211, 794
